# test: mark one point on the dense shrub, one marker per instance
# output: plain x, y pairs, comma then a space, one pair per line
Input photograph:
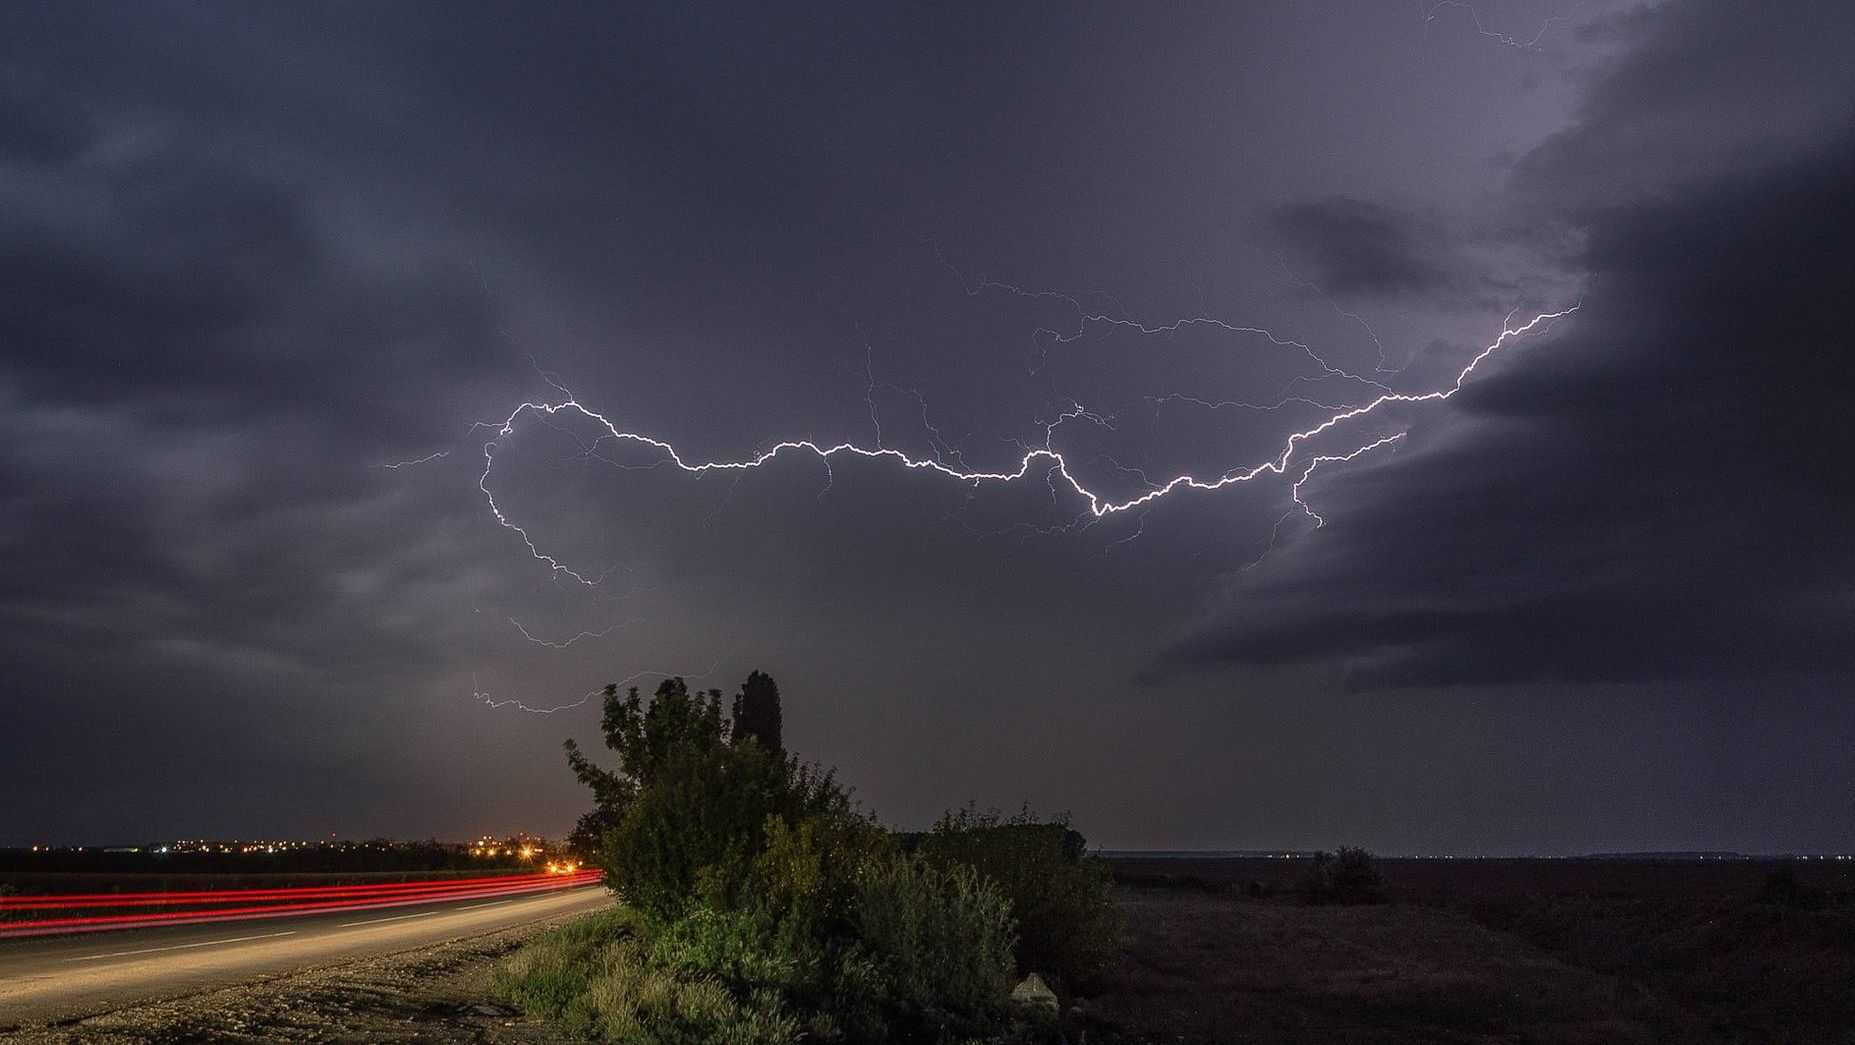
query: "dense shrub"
1349, 878
688, 804
597, 978
942, 937
761, 907
735, 947
705, 814
1060, 896
879, 944
921, 954
805, 881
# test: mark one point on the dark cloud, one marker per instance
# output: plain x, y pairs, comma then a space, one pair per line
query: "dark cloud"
1656, 491
158, 276
1703, 91
249, 255
1356, 248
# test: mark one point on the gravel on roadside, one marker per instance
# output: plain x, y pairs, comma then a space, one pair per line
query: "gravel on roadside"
438, 994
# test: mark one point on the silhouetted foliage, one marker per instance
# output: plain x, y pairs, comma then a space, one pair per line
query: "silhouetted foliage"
942, 938
1067, 925
1351, 877
685, 804
756, 713
767, 908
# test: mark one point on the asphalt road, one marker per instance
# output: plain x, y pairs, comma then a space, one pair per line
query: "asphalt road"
45, 979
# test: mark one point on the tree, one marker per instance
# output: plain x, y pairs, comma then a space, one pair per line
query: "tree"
756, 713
644, 739
687, 805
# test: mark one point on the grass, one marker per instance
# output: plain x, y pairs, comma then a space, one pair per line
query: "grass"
595, 978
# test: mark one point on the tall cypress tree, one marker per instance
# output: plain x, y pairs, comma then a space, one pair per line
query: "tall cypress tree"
756, 712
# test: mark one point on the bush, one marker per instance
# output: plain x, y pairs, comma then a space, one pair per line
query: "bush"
1350, 878
763, 908
688, 805
805, 880
1060, 896
929, 956
942, 938
735, 947
596, 977
704, 815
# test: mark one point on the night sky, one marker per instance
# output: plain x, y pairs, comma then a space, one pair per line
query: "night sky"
273, 278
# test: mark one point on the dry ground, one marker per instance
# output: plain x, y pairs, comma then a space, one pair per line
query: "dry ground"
1202, 967
431, 995
1481, 951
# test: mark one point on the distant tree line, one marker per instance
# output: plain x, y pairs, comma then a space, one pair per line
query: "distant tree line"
376, 855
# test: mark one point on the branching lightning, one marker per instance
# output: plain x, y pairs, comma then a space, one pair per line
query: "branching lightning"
1055, 466
496, 704
1545, 25
1296, 458
564, 643
1122, 319
1317, 461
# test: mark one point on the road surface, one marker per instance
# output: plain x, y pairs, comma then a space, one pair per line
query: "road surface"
56, 978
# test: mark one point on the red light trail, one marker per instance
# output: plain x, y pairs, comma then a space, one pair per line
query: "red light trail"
225, 905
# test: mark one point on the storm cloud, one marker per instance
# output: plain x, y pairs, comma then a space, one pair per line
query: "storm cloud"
1659, 492
271, 278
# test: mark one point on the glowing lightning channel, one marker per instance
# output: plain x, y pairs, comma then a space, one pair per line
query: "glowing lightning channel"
496, 704
1085, 319
1098, 506
564, 643
397, 465
1316, 462
1124, 320
1545, 25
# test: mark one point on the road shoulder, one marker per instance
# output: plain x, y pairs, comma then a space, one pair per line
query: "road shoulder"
434, 994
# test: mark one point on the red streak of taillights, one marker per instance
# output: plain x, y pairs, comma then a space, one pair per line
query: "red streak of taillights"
67, 901
503, 886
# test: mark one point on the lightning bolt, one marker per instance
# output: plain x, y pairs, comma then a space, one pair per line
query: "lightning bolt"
1545, 25
1317, 461
397, 465
496, 704
1288, 274
564, 643
1121, 318
1056, 470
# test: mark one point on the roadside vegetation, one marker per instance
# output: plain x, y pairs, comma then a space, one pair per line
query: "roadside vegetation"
759, 904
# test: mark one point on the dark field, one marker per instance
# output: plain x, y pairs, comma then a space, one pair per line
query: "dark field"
1551, 951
